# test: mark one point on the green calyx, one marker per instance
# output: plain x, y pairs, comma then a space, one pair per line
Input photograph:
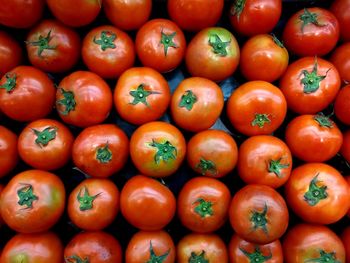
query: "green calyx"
26, 196
256, 256
277, 41
259, 219
275, 167
309, 18
316, 192
188, 99
104, 154
43, 43
198, 258
167, 40
237, 8
10, 83
219, 46
106, 40
68, 101
203, 208
260, 120
323, 121
140, 95
311, 81
205, 166
325, 258
165, 151
44, 137
86, 200
76, 259
154, 258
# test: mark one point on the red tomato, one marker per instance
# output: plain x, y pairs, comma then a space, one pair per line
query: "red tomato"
8, 151
310, 85
340, 9
108, 51
345, 236
10, 53
146, 203
347, 178
345, 148
341, 60
213, 53
256, 108
342, 106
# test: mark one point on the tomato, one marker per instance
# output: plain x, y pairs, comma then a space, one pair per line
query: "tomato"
45, 144
318, 193
93, 204
201, 248
38, 248
1, 220
341, 60
264, 160
341, 105
157, 149
246, 252
127, 15
313, 138
258, 214
83, 99
339, 9
108, 51
196, 104
312, 243
256, 108
153, 246
141, 95
26, 94
195, 15
10, 53
310, 85
21, 13
213, 53
8, 151
77, 13
263, 57
345, 236
345, 148
146, 203
160, 44
33, 201
212, 153
347, 178
253, 17
94, 247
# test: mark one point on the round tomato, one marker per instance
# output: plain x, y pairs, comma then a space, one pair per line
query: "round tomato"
342, 106
264, 160
345, 148
258, 214
10, 53
146, 203
347, 178
345, 236
341, 60
212, 153
196, 104
141, 95
150, 246
83, 99
26, 94
157, 149
108, 51
8, 151
310, 85
340, 9
33, 201
213, 53
256, 108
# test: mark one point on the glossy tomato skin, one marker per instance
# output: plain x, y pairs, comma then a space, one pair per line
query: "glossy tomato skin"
310, 85
141, 95
108, 51
83, 99
38, 248
264, 160
339, 9
341, 60
318, 193
33, 201
345, 236
196, 104
213, 53
311, 32
258, 214
310, 243
212, 153
26, 94
8, 151
256, 108
10, 53
341, 105
345, 148
145, 246
157, 149
45, 144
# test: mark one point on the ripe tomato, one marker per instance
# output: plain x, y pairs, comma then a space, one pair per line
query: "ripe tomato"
94, 247
345, 148
256, 108
313, 138
127, 15
258, 214
33, 201
310, 85
157, 149
312, 243
141, 95
108, 51
212, 153
345, 236
341, 60
150, 246
26, 94
45, 144
146, 203
195, 15
347, 178
264, 160
213, 53
83, 99
201, 248
202, 204
38, 248
342, 106
246, 252
196, 104
10, 53
253, 17
340, 9
53, 47
8, 151
318, 193
93, 204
